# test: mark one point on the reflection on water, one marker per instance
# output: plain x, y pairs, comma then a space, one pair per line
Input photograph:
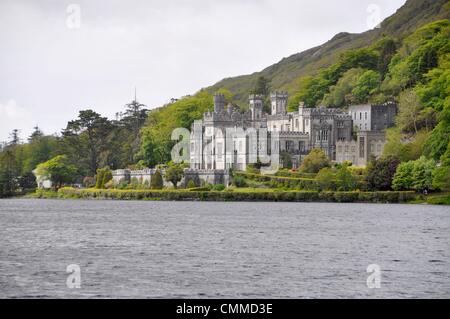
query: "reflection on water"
231, 250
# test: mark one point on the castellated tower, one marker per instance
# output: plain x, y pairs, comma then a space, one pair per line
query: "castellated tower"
255, 102
219, 103
279, 102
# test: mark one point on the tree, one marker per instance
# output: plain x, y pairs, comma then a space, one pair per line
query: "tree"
345, 180
325, 179
157, 181
340, 94
58, 170
381, 172
9, 172
14, 137
423, 174
174, 174
387, 48
409, 112
315, 161
403, 178
441, 175
415, 175
286, 160
87, 138
366, 85
262, 86
104, 175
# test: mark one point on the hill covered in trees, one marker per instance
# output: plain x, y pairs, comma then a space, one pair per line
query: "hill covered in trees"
406, 60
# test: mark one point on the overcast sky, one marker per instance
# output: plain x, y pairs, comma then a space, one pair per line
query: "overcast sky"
59, 57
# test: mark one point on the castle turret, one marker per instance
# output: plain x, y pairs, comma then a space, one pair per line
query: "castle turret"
279, 102
255, 102
219, 103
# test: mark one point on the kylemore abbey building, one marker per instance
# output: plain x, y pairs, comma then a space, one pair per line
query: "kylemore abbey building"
227, 138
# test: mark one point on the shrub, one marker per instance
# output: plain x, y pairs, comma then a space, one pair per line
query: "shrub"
239, 181
345, 180
104, 175
157, 181
191, 184
109, 185
219, 187
315, 161
417, 175
89, 181
325, 179
380, 173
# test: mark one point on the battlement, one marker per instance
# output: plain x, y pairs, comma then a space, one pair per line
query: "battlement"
279, 95
257, 97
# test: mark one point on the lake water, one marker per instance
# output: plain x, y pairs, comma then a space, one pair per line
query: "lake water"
231, 250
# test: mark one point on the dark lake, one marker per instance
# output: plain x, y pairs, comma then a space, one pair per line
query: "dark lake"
231, 250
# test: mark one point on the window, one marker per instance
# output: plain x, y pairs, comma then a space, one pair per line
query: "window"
362, 150
301, 146
240, 146
346, 148
296, 123
339, 148
219, 150
274, 127
360, 115
366, 115
289, 146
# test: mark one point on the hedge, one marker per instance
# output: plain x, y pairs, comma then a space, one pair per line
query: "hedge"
236, 195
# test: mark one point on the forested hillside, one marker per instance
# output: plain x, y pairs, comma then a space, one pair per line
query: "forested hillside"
407, 60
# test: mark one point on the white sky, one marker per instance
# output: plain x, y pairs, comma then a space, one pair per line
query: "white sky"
50, 69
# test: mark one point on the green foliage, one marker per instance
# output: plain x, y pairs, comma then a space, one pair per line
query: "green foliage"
104, 175
325, 179
441, 175
366, 86
286, 160
239, 181
439, 138
191, 184
340, 94
86, 138
240, 195
174, 174
315, 161
404, 147
156, 181
403, 179
58, 169
381, 172
156, 143
218, 188
345, 180
415, 175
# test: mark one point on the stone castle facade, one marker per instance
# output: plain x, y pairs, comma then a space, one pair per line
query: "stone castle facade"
228, 138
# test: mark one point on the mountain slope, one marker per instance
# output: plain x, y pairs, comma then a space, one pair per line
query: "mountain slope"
286, 73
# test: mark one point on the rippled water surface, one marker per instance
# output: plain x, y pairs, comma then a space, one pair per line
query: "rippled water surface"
232, 250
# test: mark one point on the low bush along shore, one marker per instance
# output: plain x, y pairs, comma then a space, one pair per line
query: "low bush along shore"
235, 195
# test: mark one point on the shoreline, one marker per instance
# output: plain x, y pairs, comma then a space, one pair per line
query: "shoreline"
235, 195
